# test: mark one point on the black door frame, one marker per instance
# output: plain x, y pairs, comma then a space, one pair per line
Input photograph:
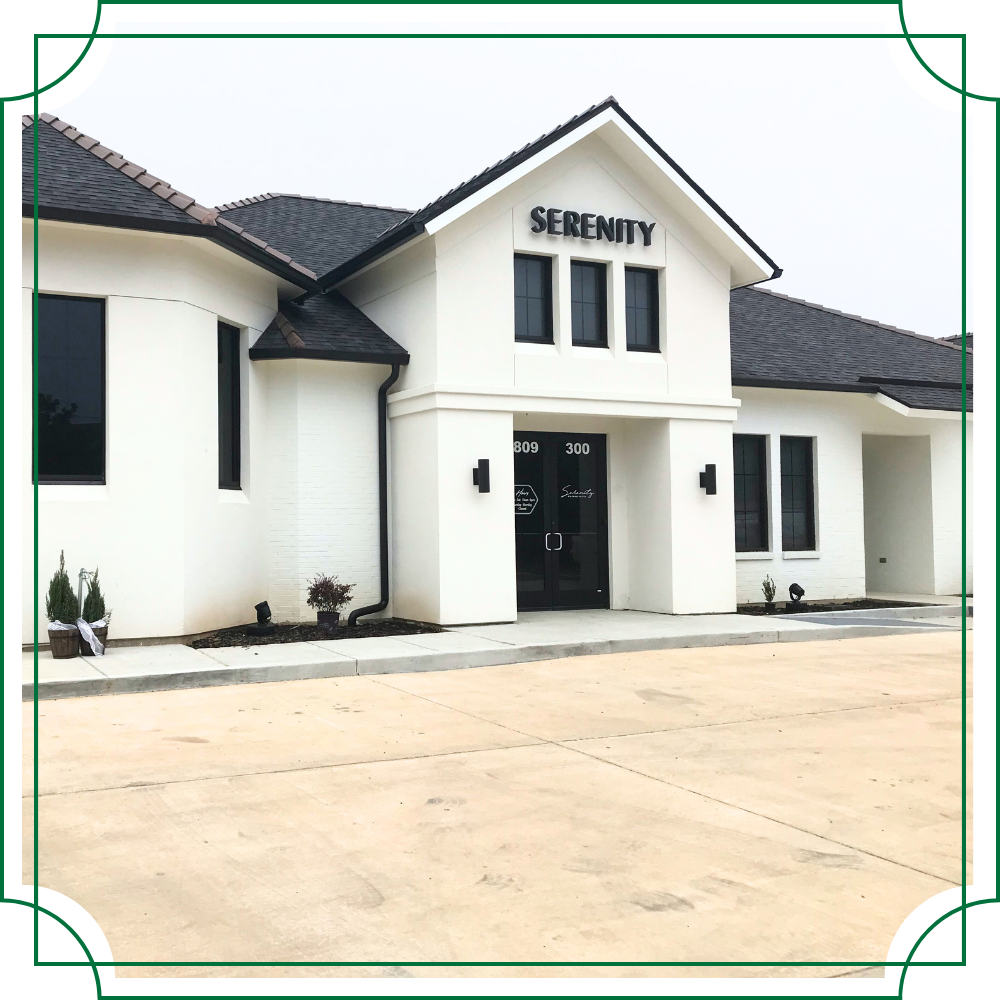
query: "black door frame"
551, 597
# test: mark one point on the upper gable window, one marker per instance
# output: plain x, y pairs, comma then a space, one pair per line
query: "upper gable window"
589, 294
532, 299
642, 313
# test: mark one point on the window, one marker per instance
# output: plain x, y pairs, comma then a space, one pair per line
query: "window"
589, 295
798, 527
750, 488
70, 390
533, 299
229, 407
642, 314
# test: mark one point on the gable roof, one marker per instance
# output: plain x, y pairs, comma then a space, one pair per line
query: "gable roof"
781, 342
326, 327
319, 232
80, 180
415, 223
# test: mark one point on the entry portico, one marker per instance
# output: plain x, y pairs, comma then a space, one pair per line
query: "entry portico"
661, 411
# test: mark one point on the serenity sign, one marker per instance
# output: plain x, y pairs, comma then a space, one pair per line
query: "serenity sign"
588, 226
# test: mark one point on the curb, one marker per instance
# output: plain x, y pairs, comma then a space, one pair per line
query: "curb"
419, 662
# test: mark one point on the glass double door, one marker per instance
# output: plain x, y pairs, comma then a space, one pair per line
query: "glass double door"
560, 520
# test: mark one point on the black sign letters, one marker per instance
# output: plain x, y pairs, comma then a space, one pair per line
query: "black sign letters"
587, 226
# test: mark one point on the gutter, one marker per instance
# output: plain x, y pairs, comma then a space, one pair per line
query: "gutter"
395, 237
383, 501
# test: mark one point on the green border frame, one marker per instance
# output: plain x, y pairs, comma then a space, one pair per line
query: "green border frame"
85, 952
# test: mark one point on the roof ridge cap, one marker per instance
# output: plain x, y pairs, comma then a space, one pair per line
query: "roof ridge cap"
183, 202
255, 199
161, 188
854, 316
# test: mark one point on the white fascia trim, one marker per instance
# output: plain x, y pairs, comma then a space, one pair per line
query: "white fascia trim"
911, 411
512, 400
570, 139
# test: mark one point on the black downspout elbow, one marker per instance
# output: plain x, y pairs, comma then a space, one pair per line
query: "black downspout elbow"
383, 501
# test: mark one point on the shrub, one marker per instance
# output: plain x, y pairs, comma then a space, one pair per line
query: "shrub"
93, 604
327, 593
769, 589
60, 602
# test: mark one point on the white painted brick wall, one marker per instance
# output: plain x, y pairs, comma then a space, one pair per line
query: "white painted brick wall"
323, 497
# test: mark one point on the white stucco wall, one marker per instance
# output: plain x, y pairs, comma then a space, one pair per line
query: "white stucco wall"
176, 554
899, 523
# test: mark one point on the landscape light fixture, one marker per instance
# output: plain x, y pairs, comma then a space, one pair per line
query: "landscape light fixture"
796, 593
264, 624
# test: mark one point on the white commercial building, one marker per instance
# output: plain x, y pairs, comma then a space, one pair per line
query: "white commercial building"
551, 388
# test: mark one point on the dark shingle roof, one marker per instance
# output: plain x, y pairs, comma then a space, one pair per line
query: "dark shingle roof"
326, 327
413, 224
788, 343
81, 180
319, 232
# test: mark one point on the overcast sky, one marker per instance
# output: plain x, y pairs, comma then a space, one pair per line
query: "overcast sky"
821, 150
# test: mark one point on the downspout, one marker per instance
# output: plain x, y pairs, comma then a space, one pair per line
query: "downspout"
383, 501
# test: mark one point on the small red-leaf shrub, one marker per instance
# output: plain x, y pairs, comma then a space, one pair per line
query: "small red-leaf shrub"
327, 593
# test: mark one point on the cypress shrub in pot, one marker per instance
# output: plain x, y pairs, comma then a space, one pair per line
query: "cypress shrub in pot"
95, 614
61, 610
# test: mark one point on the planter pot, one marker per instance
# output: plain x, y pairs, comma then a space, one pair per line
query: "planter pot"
64, 642
769, 607
101, 634
330, 618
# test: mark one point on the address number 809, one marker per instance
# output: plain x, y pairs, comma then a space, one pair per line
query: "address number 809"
526, 447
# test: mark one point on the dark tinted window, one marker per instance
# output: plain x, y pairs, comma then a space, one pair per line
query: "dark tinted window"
750, 492
70, 390
229, 407
798, 527
589, 294
642, 315
532, 298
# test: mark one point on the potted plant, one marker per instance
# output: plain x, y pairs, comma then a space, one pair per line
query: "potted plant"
770, 590
328, 595
96, 615
61, 609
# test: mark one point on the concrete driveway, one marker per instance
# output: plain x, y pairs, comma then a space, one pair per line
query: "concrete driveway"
786, 802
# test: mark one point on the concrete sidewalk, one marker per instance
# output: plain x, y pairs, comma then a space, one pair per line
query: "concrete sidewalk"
538, 635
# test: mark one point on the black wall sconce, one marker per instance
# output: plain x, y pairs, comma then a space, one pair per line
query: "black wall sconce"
481, 475
706, 480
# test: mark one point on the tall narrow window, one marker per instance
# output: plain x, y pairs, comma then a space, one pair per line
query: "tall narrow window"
533, 299
70, 390
750, 489
229, 407
589, 294
798, 523
642, 313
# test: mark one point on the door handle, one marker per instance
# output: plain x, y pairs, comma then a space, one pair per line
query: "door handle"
560, 541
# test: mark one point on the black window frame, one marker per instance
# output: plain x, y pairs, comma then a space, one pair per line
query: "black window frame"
800, 477
546, 263
742, 489
84, 479
229, 410
652, 276
599, 267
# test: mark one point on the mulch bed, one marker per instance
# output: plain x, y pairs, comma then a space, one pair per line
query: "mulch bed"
311, 632
803, 608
